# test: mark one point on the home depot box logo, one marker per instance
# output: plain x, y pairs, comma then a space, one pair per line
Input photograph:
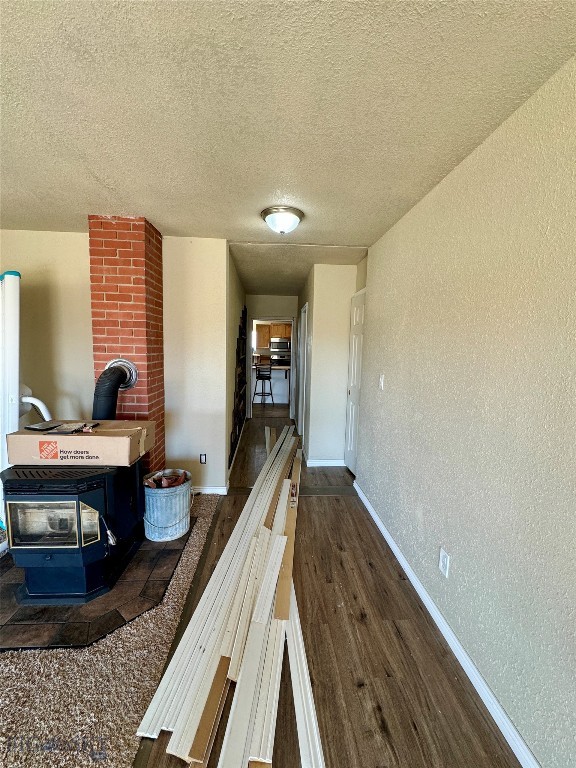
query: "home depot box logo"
48, 449
113, 444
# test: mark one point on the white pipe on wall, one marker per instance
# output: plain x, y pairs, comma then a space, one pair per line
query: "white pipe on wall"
39, 405
9, 364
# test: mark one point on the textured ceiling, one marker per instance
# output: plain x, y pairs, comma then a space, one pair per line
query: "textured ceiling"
199, 114
282, 269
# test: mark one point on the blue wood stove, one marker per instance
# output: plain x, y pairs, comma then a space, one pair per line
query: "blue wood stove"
72, 529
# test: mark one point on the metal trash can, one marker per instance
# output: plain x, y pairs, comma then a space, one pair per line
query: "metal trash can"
167, 515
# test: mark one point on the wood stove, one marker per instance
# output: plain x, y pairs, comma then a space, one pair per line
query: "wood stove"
72, 529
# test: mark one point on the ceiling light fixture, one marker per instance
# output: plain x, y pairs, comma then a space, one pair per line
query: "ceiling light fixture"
282, 218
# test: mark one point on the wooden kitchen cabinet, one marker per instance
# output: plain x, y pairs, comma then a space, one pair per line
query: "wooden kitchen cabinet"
276, 330
262, 335
280, 330
267, 331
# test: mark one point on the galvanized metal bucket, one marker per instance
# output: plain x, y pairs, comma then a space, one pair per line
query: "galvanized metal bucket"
167, 514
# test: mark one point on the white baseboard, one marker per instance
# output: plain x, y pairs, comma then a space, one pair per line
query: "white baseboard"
325, 463
506, 726
221, 490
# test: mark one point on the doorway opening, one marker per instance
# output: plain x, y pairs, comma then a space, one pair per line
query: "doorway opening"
271, 345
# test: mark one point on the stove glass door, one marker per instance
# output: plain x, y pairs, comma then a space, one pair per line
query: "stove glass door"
43, 523
90, 522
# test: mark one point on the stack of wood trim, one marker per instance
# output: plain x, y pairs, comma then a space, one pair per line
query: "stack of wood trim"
238, 633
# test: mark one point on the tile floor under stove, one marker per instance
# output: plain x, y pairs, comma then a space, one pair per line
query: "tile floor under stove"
140, 587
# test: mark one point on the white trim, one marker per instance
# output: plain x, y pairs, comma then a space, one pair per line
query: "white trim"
248, 598
221, 490
239, 721
173, 705
309, 741
267, 590
237, 605
279, 522
266, 706
325, 463
362, 290
503, 722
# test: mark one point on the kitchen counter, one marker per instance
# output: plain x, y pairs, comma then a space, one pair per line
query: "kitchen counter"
277, 368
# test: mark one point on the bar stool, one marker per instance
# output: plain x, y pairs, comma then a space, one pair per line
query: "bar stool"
263, 374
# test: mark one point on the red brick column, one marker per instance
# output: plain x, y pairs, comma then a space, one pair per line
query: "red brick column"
127, 302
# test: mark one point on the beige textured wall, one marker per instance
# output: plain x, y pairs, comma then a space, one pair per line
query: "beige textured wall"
269, 307
361, 274
56, 337
235, 298
471, 317
195, 330
330, 330
55, 321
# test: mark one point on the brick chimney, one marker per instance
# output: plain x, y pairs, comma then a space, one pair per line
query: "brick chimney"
127, 302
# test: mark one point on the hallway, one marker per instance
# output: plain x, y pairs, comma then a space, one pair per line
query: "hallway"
388, 691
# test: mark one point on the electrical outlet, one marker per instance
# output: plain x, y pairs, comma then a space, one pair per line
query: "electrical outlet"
444, 562
202, 458
381, 383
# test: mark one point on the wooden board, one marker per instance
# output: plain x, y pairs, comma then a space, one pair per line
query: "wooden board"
233, 748
174, 687
199, 680
200, 751
238, 733
279, 523
284, 588
282, 607
265, 598
270, 437
284, 473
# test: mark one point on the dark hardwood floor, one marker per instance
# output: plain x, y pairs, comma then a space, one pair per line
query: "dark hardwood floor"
251, 453
388, 691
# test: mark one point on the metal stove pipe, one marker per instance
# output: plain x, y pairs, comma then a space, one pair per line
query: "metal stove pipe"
118, 374
106, 393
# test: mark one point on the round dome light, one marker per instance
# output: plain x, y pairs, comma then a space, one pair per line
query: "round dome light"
282, 218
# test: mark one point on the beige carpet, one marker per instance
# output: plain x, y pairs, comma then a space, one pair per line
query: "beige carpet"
71, 708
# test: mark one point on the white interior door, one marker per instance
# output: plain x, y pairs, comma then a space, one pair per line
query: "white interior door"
302, 355
354, 378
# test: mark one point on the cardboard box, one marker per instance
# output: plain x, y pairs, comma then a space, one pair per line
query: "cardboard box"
111, 444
